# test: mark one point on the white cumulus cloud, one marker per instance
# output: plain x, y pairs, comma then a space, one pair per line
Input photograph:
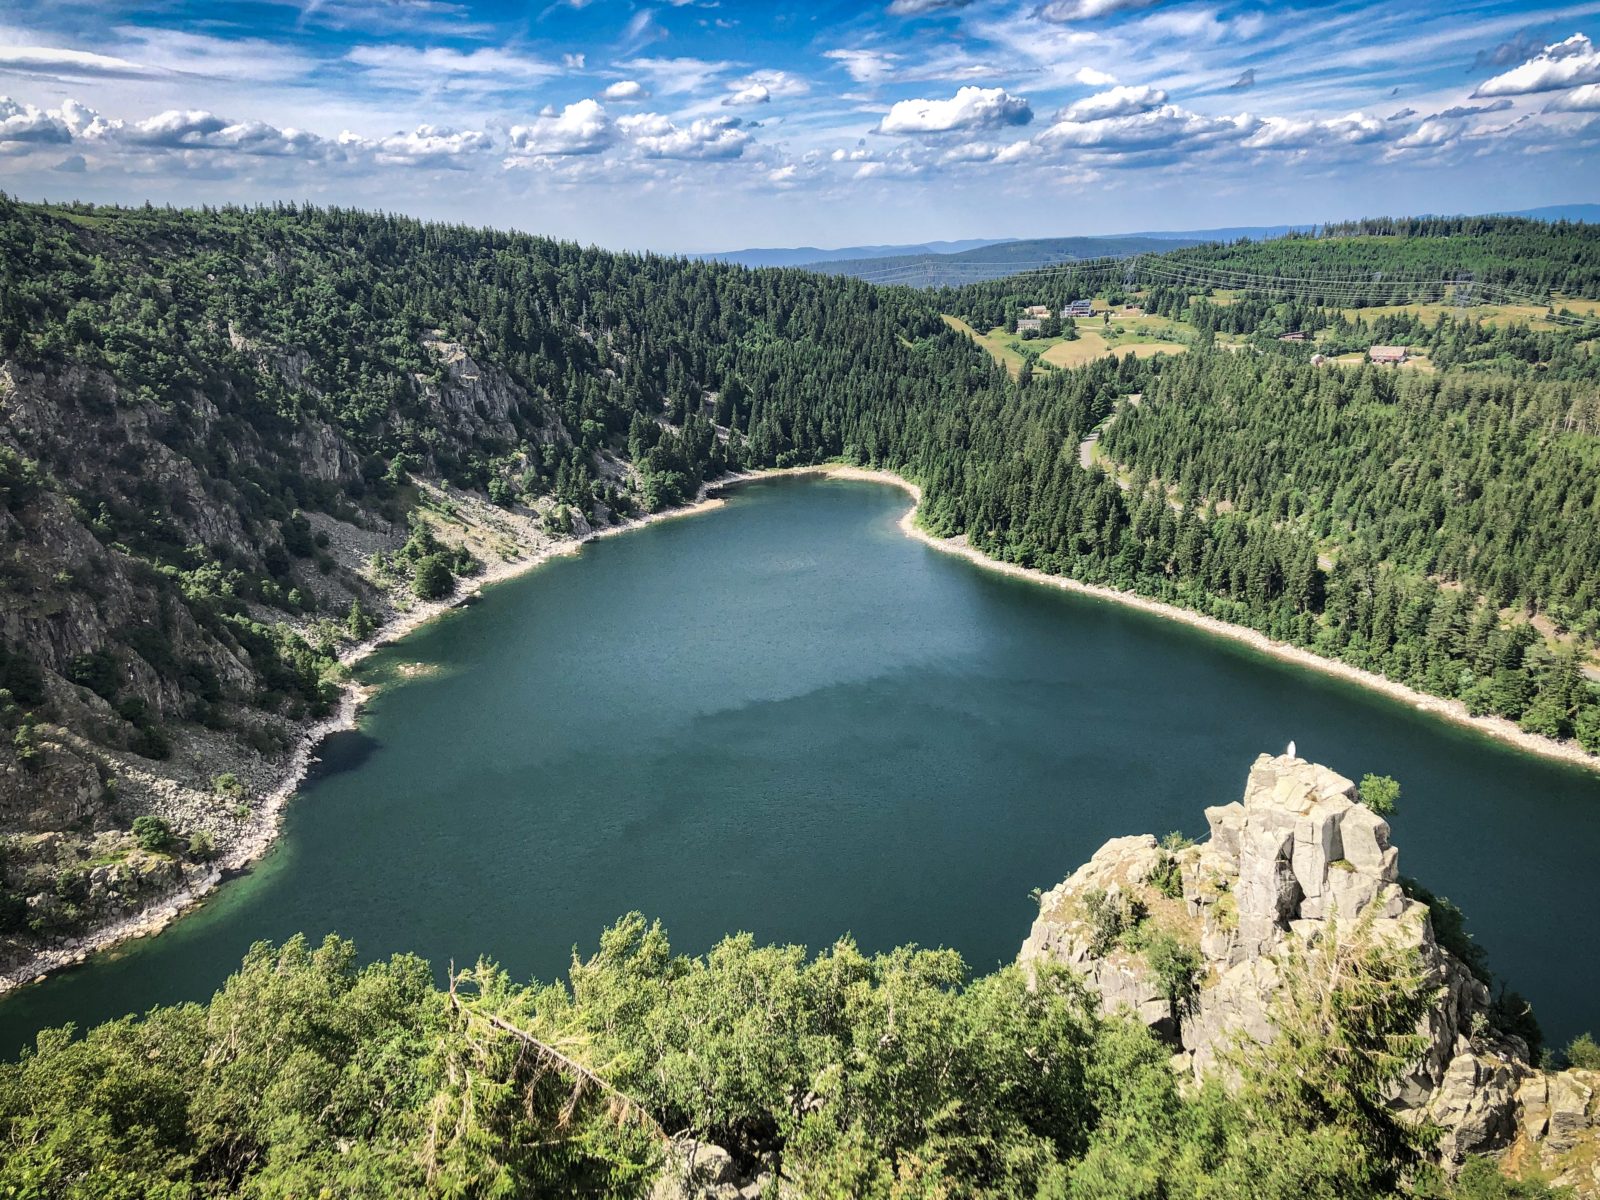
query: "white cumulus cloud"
24, 123
1118, 102
198, 129
1286, 133
625, 90
1579, 99
777, 84
1433, 132
426, 146
1561, 65
1165, 127
580, 128
969, 108
657, 136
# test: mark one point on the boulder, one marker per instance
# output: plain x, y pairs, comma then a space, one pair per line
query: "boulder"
697, 1170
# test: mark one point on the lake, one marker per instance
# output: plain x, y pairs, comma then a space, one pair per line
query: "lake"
786, 717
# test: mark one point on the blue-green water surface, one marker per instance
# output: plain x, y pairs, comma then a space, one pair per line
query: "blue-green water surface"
786, 717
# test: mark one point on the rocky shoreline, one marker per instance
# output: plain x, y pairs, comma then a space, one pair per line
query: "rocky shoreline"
266, 818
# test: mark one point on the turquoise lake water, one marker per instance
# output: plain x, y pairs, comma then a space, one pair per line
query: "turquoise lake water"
786, 717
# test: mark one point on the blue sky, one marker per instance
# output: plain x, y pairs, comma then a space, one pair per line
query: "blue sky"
697, 125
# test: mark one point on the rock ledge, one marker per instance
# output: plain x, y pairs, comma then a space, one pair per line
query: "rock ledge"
1298, 859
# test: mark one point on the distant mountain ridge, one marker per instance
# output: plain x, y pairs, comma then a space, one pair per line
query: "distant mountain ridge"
811, 256
797, 256
1589, 214
974, 260
998, 259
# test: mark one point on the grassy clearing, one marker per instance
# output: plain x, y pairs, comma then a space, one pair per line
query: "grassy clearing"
1489, 314
1000, 344
1418, 361
1091, 344
1129, 333
1144, 336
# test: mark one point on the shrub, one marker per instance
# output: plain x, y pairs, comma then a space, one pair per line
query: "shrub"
1583, 1052
151, 741
153, 833
1176, 966
1110, 916
433, 580
1380, 793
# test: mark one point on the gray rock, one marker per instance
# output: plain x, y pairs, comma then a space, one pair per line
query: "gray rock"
1570, 1098
697, 1170
1297, 860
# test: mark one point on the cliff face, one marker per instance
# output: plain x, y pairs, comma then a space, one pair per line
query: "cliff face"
166, 609
1298, 861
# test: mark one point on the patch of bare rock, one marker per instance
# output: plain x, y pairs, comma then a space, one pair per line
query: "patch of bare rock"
1300, 859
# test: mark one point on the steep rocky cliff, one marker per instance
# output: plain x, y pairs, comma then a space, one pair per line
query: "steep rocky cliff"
1195, 939
175, 589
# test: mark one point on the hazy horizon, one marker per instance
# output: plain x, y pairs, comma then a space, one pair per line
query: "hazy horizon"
693, 126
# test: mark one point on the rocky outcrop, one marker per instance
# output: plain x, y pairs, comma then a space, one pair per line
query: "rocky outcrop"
1299, 859
697, 1170
1558, 1130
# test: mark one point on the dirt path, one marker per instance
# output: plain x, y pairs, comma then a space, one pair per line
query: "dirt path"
1086, 447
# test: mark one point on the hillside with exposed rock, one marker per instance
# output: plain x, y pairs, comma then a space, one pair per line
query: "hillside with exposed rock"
1209, 945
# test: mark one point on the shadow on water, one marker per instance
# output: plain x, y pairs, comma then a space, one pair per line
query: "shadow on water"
343, 751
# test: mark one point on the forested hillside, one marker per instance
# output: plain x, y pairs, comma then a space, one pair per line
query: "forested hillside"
225, 437
1460, 260
1533, 258
234, 439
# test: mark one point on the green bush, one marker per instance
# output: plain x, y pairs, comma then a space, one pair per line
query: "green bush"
1111, 916
1583, 1052
153, 833
1167, 878
1380, 793
1176, 966
433, 580
151, 741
